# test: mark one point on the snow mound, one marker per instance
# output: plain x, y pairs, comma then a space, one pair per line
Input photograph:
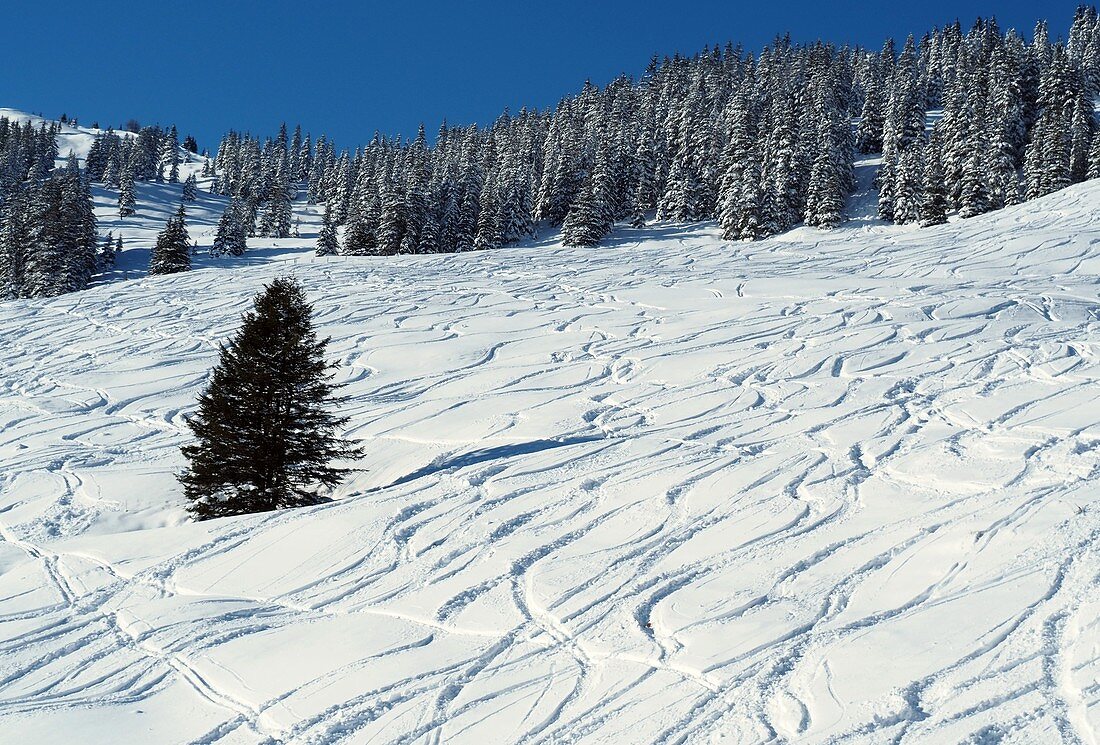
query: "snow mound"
831, 487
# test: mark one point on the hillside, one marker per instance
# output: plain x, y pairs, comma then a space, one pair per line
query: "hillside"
833, 486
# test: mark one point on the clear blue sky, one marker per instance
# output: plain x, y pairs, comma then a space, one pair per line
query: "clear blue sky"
349, 68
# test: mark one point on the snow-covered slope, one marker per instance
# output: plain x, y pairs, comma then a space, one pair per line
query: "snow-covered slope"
830, 487
78, 140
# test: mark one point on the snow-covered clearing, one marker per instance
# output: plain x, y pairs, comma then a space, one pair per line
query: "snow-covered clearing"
829, 487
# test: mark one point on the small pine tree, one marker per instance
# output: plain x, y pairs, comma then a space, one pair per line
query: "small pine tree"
172, 252
190, 188
107, 253
266, 433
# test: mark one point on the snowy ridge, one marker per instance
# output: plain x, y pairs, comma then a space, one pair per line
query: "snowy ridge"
829, 487
78, 140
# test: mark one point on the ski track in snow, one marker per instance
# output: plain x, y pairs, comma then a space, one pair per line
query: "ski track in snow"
826, 488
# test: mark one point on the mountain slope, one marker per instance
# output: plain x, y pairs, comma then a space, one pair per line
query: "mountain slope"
830, 487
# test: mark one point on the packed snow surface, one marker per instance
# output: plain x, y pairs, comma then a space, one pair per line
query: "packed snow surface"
829, 487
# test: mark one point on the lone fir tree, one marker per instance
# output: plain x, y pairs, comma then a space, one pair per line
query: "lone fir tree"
265, 427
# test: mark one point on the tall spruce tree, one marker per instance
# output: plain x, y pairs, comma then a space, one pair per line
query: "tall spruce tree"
266, 433
907, 185
127, 203
170, 155
933, 207
112, 170
276, 220
1094, 157
327, 242
585, 224
45, 257
739, 206
15, 237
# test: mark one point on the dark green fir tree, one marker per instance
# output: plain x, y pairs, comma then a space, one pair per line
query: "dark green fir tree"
265, 428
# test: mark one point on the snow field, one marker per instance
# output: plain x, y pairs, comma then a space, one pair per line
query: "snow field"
829, 487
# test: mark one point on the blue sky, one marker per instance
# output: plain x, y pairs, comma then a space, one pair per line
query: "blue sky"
350, 68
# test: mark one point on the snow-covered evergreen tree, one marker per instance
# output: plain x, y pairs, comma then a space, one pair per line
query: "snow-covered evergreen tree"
739, 204
106, 258
172, 252
1094, 157
585, 224
327, 242
170, 155
15, 240
190, 189
358, 239
127, 202
231, 237
933, 207
908, 180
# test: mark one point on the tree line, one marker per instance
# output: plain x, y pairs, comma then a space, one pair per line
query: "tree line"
49, 244
758, 143
48, 239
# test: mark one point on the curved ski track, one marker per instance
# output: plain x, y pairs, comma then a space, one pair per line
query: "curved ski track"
827, 488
